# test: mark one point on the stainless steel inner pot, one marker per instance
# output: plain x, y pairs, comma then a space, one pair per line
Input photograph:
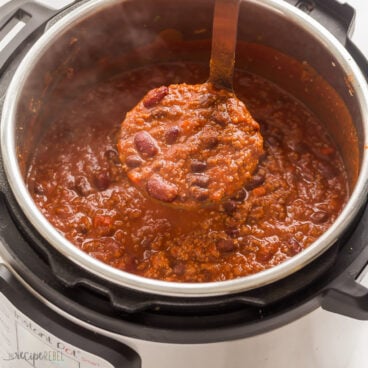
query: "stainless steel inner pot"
109, 29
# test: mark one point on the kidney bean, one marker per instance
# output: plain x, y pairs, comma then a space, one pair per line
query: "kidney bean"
198, 166
199, 194
210, 141
154, 96
221, 117
133, 161
229, 207
319, 217
102, 180
145, 144
111, 155
179, 269
233, 232
38, 188
160, 189
201, 180
84, 224
83, 186
225, 245
294, 247
327, 170
172, 134
256, 180
146, 242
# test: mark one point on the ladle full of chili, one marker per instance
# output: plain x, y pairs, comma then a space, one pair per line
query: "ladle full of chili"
190, 145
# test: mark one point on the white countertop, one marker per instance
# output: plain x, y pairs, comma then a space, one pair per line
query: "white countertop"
360, 35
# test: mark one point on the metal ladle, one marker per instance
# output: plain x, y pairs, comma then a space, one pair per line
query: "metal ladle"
224, 35
210, 150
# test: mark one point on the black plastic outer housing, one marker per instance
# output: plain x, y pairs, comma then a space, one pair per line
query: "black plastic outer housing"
328, 282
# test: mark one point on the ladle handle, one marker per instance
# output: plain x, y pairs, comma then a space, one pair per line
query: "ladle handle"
224, 35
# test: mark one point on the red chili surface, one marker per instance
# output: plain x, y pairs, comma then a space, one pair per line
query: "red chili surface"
77, 180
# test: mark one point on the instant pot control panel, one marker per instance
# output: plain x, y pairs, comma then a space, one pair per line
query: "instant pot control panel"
35, 276
31, 332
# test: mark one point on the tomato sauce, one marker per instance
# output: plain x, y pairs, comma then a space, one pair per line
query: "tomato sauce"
77, 180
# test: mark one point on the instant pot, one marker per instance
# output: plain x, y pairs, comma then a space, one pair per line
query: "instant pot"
61, 308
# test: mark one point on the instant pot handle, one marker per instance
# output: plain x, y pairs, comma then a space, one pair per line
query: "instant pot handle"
339, 19
336, 17
345, 294
358, 56
19, 19
349, 298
